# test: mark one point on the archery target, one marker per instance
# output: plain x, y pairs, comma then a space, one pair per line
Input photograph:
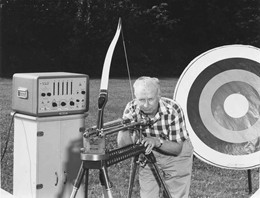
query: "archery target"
219, 92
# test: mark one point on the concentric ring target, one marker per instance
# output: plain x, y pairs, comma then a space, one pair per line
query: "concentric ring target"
219, 92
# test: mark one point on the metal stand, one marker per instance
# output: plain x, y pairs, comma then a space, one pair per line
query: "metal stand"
150, 159
249, 181
116, 156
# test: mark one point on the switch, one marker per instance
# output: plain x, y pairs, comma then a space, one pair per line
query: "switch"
54, 104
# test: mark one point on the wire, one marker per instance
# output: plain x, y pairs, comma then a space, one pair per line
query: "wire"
8, 136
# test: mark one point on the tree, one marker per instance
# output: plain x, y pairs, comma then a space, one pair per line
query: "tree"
161, 37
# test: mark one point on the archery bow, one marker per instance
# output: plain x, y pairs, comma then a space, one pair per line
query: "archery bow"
103, 93
95, 150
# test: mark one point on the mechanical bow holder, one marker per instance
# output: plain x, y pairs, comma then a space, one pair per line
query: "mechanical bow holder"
94, 140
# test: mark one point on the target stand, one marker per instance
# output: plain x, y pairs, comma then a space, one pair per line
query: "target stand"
219, 92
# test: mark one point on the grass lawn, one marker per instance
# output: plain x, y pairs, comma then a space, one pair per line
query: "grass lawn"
207, 180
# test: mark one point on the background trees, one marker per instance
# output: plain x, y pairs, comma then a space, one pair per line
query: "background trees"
161, 37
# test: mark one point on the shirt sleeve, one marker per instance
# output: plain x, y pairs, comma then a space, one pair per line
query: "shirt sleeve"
178, 125
129, 112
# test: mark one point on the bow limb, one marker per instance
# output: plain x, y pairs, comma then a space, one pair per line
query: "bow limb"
107, 62
103, 94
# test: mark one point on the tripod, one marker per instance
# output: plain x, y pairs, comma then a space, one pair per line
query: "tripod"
115, 156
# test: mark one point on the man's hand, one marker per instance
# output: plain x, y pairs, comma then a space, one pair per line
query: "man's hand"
150, 143
168, 148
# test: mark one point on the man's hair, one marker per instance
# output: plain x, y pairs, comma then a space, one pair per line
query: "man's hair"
147, 81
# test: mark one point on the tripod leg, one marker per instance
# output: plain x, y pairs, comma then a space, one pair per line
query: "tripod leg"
132, 176
78, 181
105, 183
152, 159
86, 183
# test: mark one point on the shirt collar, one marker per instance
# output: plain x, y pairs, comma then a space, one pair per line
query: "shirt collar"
162, 109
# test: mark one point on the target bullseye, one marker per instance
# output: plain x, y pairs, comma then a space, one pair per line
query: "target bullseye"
236, 105
219, 92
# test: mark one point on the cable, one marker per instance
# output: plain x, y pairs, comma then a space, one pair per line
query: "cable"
8, 136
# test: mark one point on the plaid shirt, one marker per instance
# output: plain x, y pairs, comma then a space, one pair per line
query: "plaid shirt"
168, 123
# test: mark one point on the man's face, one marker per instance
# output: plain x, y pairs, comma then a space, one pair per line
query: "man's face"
147, 99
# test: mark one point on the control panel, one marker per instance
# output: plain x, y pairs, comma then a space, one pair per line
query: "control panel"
50, 93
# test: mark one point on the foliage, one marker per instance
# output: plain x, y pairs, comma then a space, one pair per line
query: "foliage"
161, 37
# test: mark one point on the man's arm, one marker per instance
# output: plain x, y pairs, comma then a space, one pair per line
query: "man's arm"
168, 147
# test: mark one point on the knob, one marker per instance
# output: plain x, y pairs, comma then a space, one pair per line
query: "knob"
63, 104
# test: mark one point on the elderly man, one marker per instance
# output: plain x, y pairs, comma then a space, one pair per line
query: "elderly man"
174, 153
